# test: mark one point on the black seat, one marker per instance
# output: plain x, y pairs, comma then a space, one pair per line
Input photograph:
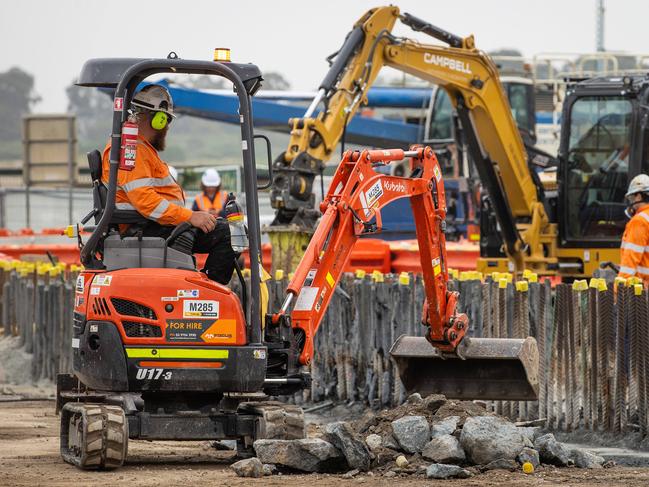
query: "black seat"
100, 192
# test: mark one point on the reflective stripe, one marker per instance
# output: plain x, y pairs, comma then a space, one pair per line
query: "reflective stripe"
627, 270
176, 353
643, 270
124, 206
159, 210
144, 182
634, 247
645, 216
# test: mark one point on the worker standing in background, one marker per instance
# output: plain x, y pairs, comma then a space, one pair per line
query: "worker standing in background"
211, 198
149, 188
634, 250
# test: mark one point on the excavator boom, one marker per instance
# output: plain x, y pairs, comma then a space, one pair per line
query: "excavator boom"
443, 360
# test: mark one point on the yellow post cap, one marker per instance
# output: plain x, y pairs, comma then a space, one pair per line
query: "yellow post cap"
279, 274
633, 280
54, 271
522, 286
502, 283
377, 276
404, 279
360, 273
580, 285
637, 289
453, 273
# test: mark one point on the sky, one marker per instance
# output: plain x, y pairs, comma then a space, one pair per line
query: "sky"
51, 39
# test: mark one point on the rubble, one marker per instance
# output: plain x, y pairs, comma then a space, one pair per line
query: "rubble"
446, 426
373, 441
441, 471
341, 435
529, 455
411, 432
444, 449
429, 436
551, 451
250, 467
308, 455
489, 438
585, 459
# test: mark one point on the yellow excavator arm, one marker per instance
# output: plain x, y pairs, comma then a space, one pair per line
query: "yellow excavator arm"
472, 82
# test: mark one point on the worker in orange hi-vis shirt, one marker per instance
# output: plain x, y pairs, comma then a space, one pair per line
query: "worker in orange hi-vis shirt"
149, 188
635, 241
211, 198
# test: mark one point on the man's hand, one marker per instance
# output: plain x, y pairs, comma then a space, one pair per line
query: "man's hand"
203, 220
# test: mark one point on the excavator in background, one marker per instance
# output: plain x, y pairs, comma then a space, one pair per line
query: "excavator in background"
161, 352
564, 228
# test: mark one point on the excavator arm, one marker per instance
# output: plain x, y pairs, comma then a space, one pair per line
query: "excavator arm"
470, 78
489, 368
352, 208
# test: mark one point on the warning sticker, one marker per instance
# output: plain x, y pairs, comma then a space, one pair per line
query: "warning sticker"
187, 293
80, 284
200, 309
118, 104
102, 280
373, 194
306, 298
207, 331
169, 298
94, 291
438, 174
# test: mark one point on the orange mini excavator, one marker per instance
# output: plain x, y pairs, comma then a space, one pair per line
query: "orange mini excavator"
160, 352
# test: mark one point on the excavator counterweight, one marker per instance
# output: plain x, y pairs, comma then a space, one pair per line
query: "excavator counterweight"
481, 368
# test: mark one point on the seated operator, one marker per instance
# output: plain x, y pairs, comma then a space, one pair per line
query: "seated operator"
211, 198
150, 189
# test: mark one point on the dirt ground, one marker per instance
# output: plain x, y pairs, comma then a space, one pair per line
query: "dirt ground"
29, 456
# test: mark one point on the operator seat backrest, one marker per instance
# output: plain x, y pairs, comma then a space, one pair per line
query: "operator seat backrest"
100, 193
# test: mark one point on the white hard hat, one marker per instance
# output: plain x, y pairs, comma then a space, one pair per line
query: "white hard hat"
639, 184
211, 178
174, 172
155, 98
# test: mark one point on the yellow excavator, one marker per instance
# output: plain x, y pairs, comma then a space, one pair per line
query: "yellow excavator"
523, 226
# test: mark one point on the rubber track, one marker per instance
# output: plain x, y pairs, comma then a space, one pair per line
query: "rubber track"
105, 442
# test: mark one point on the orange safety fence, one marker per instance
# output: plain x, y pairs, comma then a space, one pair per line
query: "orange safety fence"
368, 254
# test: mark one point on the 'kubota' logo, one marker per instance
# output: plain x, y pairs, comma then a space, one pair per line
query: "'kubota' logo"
396, 187
447, 62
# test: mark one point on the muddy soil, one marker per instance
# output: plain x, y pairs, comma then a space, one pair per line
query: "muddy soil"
29, 456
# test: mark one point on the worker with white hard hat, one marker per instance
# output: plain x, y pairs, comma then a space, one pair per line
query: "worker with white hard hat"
211, 198
149, 187
635, 241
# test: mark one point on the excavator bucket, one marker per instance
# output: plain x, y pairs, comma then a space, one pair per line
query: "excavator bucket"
484, 368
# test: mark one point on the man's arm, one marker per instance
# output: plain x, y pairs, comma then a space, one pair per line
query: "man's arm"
635, 243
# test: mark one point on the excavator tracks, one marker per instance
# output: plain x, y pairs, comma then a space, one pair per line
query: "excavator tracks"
277, 421
93, 436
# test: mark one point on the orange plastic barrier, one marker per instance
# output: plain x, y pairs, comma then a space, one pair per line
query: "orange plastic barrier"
67, 253
370, 254
462, 255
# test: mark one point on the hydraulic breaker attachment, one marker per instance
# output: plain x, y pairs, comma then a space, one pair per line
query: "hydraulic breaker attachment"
481, 368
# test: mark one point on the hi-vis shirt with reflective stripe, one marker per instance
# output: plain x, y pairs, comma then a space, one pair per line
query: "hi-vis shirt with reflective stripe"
149, 189
203, 203
635, 246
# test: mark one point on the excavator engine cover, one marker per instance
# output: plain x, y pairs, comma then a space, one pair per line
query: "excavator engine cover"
484, 368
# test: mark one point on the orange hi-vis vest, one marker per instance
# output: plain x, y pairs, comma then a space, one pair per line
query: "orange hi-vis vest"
204, 204
635, 246
149, 188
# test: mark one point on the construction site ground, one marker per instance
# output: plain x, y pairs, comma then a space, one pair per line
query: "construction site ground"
29, 456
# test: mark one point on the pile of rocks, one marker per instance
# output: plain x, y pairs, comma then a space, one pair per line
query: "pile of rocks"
435, 437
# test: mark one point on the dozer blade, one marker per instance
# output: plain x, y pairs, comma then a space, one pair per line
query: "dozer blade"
485, 368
